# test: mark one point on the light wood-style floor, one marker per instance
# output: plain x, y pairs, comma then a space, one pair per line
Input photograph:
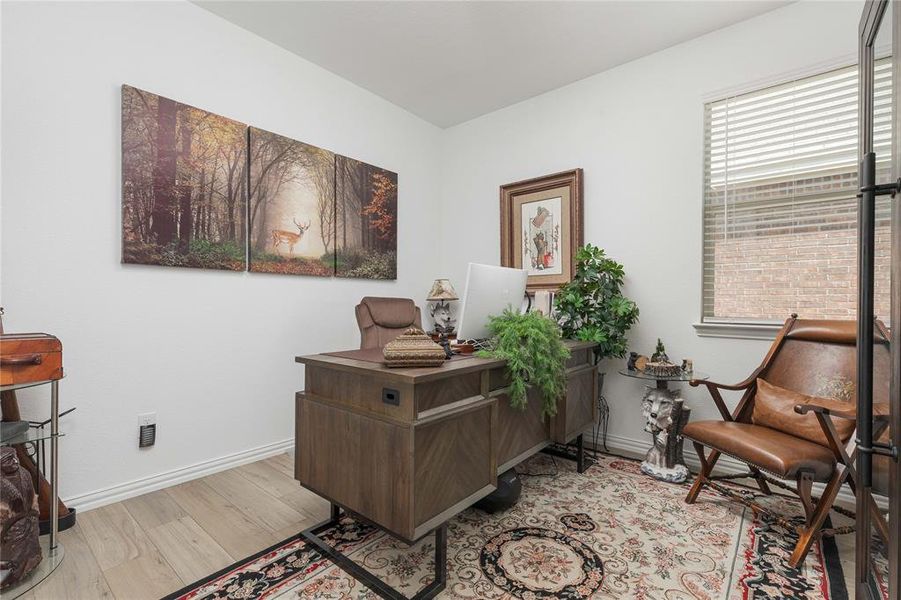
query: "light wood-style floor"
151, 545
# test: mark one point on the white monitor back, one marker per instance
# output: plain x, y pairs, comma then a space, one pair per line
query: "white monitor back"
489, 291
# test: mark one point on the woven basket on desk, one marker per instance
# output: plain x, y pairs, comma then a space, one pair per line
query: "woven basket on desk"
413, 348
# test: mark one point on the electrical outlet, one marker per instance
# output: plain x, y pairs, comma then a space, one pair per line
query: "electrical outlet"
146, 436
146, 430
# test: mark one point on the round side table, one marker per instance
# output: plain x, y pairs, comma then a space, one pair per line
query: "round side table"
666, 415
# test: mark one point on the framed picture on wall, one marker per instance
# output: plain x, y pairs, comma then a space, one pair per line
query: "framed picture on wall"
541, 227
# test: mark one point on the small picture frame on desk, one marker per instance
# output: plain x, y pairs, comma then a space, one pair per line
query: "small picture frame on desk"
543, 302
542, 227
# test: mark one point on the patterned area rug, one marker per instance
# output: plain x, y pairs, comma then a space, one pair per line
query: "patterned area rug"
609, 533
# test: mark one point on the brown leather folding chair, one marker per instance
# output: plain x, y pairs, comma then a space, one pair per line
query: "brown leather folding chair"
383, 319
797, 419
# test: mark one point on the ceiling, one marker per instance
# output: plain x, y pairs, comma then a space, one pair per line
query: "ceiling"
449, 62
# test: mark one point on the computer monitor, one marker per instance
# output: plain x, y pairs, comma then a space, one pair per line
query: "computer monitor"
489, 291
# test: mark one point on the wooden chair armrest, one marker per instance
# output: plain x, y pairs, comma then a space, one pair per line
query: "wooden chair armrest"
713, 388
723, 386
744, 385
803, 409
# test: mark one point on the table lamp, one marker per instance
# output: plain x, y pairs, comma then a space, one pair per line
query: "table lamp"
440, 297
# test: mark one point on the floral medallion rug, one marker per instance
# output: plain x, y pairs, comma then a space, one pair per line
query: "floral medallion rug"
611, 532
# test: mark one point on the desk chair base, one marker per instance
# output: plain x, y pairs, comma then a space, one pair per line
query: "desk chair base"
567, 452
346, 564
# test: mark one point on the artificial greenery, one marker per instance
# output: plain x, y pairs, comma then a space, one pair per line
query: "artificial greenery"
592, 308
535, 353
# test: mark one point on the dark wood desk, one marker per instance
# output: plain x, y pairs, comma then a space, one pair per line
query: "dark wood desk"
407, 449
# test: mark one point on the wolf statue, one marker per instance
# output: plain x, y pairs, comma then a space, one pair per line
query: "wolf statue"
665, 416
20, 551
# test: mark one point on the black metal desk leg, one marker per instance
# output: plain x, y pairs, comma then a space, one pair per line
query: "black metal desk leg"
580, 454
577, 454
441, 556
368, 579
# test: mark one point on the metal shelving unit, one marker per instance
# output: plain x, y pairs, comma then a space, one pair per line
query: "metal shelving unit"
53, 551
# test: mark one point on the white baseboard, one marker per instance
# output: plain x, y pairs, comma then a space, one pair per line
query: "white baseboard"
123, 491
726, 465
117, 493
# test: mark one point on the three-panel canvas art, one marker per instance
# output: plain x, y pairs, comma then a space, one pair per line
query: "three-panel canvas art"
200, 190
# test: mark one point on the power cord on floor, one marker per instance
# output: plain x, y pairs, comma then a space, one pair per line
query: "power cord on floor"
600, 426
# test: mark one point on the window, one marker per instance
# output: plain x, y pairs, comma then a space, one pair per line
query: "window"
780, 206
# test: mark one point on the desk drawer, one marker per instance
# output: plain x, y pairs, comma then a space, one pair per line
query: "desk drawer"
577, 411
519, 432
435, 394
363, 394
454, 462
360, 462
577, 358
29, 357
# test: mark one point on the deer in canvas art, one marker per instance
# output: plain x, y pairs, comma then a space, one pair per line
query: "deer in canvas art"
280, 236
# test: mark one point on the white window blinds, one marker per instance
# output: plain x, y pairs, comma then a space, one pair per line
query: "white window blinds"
780, 207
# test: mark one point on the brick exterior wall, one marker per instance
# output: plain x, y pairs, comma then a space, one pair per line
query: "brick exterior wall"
812, 274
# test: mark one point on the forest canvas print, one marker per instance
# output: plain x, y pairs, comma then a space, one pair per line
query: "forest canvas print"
365, 220
201, 190
291, 206
184, 184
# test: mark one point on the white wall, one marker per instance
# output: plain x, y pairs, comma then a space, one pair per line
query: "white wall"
211, 352
637, 131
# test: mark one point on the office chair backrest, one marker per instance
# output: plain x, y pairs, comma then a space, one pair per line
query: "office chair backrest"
383, 319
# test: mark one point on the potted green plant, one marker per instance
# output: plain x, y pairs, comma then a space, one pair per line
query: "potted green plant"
592, 307
533, 347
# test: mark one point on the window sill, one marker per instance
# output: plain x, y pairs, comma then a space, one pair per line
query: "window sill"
741, 331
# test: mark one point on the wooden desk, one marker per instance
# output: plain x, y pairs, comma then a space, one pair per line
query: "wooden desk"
407, 449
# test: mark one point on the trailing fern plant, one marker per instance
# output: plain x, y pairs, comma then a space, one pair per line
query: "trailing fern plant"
535, 353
